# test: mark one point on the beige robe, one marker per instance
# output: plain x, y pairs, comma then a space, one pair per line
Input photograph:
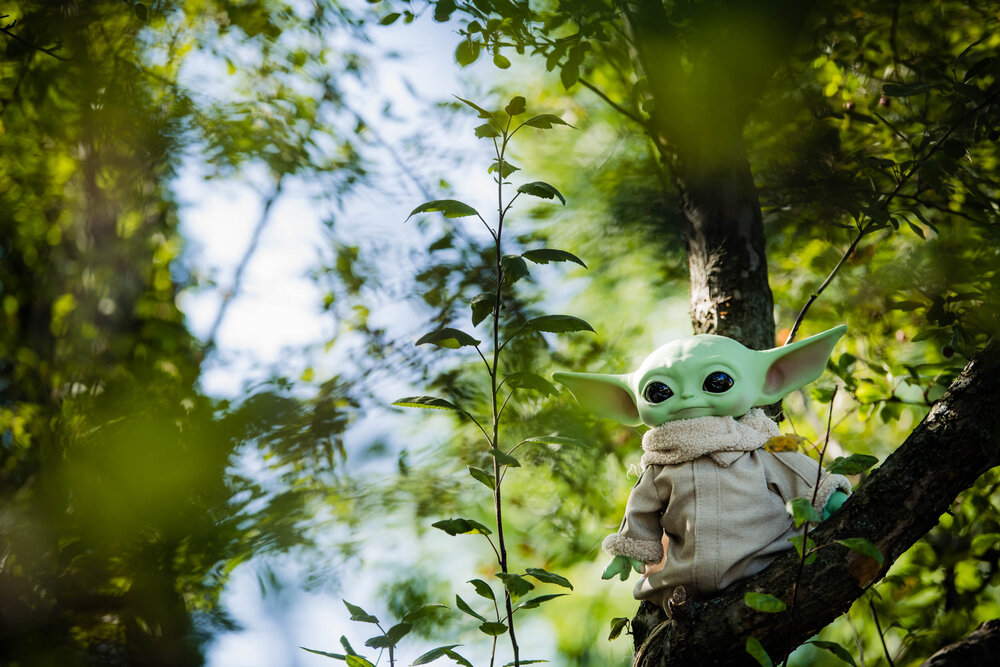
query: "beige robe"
709, 485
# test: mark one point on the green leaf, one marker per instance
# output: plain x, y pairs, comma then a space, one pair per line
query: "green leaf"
463, 606
545, 121
486, 131
541, 189
443, 9
853, 464
433, 654
423, 610
757, 652
516, 584
617, 625
398, 631
466, 52
516, 106
569, 74
501, 61
428, 403
389, 19
836, 649
546, 255
483, 113
514, 268
901, 90
763, 602
482, 306
531, 381
461, 527
358, 661
524, 662
448, 337
504, 459
457, 658
347, 646
378, 641
505, 168
482, 589
481, 475
140, 11
557, 324
549, 577
493, 629
802, 510
359, 614
531, 603
452, 208
862, 546
978, 67
336, 656
796, 541
916, 230
984, 542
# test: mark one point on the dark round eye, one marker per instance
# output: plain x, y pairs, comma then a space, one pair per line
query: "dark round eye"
657, 392
718, 382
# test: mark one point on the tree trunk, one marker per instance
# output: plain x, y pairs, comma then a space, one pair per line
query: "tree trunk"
956, 442
981, 647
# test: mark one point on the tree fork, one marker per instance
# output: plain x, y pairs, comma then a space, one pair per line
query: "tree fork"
956, 442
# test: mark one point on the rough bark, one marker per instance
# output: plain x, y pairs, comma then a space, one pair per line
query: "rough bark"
956, 442
980, 647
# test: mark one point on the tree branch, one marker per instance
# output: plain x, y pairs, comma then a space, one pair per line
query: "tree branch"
957, 441
981, 647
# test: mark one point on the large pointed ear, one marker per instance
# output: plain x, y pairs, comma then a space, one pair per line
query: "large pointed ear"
607, 396
796, 365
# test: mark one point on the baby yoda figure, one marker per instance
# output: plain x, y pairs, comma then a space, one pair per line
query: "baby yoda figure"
708, 483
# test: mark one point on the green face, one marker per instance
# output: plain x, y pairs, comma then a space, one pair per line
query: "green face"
702, 376
699, 376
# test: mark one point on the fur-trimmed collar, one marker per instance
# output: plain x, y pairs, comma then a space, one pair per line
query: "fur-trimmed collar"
688, 439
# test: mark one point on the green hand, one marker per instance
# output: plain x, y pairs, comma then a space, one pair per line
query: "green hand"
622, 566
837, 499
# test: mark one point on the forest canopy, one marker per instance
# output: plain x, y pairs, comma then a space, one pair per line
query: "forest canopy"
635, 171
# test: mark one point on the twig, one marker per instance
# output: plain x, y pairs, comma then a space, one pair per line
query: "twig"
50, 51
614, 105
878, 627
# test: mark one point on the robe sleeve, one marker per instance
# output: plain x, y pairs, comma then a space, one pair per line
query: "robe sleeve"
640, 531
795, 476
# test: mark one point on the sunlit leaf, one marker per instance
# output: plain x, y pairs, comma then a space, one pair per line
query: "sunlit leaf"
757, 652
451, 208
359, 614
557, 324
464, 607
457, 658
516, 584
514, 268
802, 510
545, 121
483, 476
467, 52
862, 546
901, 90
427, 402
461, 527
546, 255
853, 464
763, 602
501, 61
503, 458
617, 625
516, 106
433, 654
549, 577
493, 628
482, 306
448, 337
483, 589
531, 603
541, 189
